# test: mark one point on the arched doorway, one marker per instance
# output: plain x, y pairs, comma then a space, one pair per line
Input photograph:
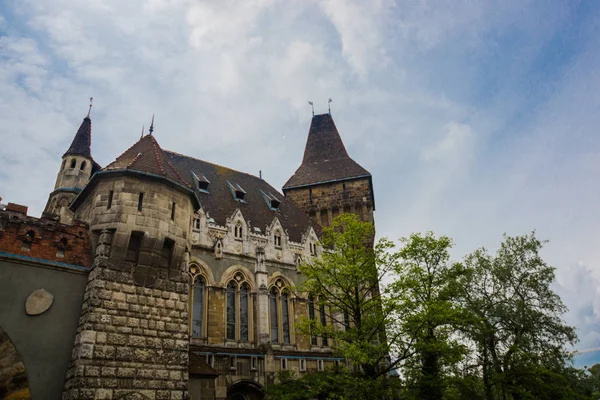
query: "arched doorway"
13, 377
245, 390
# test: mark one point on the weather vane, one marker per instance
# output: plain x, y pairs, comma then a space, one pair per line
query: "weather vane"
90, 110
329, 105
151, 126
313, 107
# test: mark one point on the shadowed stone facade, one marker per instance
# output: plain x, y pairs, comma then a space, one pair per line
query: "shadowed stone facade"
191, 292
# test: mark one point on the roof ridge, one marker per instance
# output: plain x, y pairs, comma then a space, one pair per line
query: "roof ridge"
123, 153
171, 165
212, 163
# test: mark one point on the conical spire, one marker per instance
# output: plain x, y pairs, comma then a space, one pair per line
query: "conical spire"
83, 140
325, 157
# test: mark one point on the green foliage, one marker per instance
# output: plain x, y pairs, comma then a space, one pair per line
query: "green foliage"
488, 328
516, 321
428, 312
346, 281
334, 384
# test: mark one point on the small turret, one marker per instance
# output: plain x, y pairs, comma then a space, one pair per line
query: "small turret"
75, 171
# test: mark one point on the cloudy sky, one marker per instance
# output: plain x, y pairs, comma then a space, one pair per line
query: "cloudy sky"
474, 117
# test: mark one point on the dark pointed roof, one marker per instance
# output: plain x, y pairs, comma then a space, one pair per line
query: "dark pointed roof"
147, 156
82, 141
325, 157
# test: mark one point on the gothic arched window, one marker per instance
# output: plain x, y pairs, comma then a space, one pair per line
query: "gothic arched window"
279, 313
198, 307
238, 318
73, 163
198, 302
83, 164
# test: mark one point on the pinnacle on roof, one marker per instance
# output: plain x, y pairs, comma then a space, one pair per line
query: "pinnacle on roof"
325, 157
82, 141
147, 156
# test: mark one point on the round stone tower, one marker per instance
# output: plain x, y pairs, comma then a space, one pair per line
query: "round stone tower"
134, 322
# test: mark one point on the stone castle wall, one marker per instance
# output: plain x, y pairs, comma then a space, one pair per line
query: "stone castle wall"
324, 202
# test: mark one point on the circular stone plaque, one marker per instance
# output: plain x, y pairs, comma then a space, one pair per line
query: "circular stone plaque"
38, 302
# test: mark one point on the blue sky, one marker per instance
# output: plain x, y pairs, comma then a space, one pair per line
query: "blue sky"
475, 117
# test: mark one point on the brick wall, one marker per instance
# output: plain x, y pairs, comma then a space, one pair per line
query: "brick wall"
44, 238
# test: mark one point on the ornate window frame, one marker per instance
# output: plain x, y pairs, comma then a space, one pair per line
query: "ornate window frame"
196, 271
278, 290
239, 280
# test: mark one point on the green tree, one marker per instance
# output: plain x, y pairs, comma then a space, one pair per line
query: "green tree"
516, 325
345, 283
427, 312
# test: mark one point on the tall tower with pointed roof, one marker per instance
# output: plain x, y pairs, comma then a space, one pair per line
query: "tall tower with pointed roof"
75, 171
329, 182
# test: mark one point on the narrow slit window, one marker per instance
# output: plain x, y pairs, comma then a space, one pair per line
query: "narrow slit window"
140, 201
310, 198
173, 205
254, 363
110, 199
302, 365
345, 194
320, 365
232, 362
284, 364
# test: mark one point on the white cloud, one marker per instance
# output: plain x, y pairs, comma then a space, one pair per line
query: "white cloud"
467, 130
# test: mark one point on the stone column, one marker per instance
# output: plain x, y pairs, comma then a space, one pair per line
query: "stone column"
262, 298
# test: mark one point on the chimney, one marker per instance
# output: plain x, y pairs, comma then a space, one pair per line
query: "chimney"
17, 208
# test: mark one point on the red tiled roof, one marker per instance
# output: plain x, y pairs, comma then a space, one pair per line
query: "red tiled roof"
325, 157
147, 156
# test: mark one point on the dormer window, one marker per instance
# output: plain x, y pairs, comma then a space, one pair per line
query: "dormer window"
239, 194
277, 238
201, 182
272, 201
238, 230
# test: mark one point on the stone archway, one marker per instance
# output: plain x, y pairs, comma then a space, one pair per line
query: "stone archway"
245, 390
13, 377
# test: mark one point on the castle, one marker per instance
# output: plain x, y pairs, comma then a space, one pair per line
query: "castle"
163, 276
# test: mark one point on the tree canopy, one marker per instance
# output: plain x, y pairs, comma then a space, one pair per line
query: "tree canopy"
413, 324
